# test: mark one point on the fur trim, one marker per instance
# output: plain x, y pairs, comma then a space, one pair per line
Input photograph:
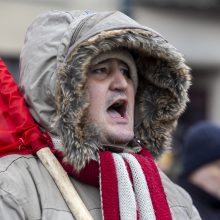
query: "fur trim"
160, 99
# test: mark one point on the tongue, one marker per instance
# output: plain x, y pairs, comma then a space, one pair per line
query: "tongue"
113, 113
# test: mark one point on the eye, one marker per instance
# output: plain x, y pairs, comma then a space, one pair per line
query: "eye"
125, 72
99, 70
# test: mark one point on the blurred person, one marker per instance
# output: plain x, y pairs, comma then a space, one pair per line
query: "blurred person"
200, 174
108, 93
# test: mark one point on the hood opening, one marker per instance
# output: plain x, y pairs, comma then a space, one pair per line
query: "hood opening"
160, 99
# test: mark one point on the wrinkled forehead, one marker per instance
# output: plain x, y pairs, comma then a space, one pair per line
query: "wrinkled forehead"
111, 61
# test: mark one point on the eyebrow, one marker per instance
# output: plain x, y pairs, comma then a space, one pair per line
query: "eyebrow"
105, 61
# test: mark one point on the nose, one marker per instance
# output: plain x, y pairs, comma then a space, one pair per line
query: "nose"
119, 81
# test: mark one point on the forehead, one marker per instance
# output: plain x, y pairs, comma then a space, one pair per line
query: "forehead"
111, 61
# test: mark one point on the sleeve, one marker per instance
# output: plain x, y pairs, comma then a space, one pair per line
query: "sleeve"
195, 214
9, 207
190, 208
180, 202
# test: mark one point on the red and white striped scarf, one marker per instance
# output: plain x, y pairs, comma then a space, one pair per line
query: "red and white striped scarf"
130, 186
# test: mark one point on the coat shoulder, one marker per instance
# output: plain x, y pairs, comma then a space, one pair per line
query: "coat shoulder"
179, 201
24, 184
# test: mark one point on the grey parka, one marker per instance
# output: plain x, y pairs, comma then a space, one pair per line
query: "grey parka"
56, 55
27, 192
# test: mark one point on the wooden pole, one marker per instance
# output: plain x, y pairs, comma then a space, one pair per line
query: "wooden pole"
64, 184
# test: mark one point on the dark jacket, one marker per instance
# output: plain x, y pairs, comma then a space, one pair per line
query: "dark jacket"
207, 205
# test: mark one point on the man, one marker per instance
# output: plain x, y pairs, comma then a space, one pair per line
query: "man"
200, 175
109, 92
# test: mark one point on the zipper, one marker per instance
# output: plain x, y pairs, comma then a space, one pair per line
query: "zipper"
81, 25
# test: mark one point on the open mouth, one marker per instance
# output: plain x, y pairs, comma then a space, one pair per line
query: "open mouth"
118, 109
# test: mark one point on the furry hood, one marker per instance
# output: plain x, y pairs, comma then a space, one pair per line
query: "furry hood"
57, 52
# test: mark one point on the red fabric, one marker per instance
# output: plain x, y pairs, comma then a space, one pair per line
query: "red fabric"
109, 186
108, 181
158, 196
19, 134
89, 174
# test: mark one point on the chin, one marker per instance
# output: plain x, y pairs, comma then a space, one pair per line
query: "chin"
120, 138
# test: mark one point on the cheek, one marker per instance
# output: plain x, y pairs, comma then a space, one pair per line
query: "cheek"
96, 97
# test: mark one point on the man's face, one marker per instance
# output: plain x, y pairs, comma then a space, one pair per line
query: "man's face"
111, 95
208, 178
